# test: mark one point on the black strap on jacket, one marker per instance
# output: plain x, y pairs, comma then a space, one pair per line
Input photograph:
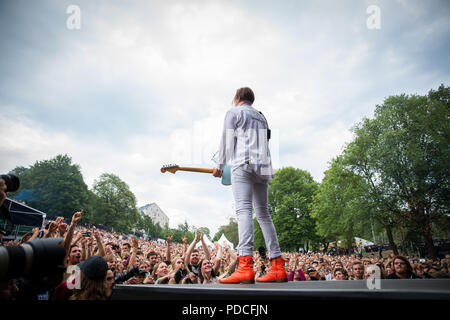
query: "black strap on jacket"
268, 130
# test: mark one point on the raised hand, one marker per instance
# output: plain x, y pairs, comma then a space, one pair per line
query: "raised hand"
196, 235
76, 217
149, 280
52, 228
134, 243
62, 228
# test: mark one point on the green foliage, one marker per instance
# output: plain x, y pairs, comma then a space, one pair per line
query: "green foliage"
231, 232
146, 224
116, 205
290, 199
403, 155
53, 186
340, 206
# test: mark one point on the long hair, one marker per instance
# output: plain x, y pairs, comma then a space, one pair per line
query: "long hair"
201, 275
173, 263
408, 265
91, 289
155, 269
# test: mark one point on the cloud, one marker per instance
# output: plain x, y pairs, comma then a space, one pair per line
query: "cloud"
144, 84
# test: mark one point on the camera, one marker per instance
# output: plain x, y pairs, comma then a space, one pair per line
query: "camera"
34, 259
37, 266
262, 252
12, 184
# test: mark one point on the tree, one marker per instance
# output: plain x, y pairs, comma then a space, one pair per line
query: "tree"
230, 231
403, 155
117, 205
340, 206
290, 199
146, 224
54, 186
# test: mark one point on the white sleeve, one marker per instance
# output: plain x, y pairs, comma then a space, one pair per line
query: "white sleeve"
227, 143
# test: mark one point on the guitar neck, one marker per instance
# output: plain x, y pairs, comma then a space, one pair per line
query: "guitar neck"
204, 170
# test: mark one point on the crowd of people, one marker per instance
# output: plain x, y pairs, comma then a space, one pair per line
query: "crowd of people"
105, 259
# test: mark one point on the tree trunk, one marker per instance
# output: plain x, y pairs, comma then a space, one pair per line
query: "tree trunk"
350, 245
391, 239
425, 224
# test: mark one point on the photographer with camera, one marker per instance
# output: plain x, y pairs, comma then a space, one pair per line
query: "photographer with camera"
34, 266
2, 191
8, 183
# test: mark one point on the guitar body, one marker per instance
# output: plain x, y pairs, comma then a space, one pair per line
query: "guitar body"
226, 176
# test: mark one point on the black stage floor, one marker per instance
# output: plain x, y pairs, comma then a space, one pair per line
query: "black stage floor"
408, 289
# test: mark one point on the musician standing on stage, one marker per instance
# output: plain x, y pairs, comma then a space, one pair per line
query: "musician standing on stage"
244, 146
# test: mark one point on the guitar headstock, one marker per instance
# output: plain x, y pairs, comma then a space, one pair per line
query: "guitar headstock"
172, 168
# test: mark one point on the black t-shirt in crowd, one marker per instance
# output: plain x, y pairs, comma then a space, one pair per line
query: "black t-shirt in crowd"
195, 269
180, 274
411, 275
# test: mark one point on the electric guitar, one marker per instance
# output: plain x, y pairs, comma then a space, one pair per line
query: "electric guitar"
226, 172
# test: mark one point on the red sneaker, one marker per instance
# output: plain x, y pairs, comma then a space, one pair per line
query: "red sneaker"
244, 273
277, 273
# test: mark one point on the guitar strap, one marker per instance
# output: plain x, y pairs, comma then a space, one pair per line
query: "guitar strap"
268, 130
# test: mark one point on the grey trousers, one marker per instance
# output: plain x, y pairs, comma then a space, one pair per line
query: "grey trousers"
250, 191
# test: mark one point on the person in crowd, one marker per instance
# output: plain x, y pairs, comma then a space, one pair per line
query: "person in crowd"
313, 274
135, 261
2, 191
207, 274
231, 261
340, 274
191, 278
152, 258
338, 264
402, 269
93, 285
110, 283
8, 290
192, 259
162, 274
297, 275
180, 270
74, 255
357, 270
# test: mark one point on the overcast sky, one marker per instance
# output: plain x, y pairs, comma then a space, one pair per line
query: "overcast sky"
144, 83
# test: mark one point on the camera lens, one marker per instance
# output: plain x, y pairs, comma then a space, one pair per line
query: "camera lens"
35, 259
12, 182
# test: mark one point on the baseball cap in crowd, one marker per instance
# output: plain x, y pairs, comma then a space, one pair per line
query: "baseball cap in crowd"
94, 268
310, 270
